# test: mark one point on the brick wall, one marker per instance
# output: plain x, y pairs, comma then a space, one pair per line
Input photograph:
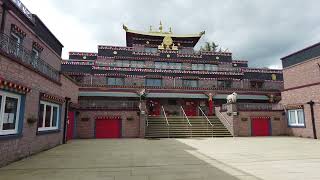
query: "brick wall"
301, 74
30, 142
86, 123
47, 54
242, 123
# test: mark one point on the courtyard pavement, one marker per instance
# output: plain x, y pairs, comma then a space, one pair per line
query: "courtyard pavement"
167, 159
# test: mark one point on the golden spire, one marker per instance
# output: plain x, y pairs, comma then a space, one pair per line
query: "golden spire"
160, 26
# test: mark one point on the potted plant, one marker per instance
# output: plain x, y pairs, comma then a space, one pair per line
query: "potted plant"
32, 119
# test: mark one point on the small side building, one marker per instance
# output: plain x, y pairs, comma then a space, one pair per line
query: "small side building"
34, 95
301, 98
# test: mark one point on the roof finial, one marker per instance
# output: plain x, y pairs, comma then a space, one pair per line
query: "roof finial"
170, 30
160, 26
150, 29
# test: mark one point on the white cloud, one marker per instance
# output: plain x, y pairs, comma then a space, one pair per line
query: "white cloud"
67, 28
258, 31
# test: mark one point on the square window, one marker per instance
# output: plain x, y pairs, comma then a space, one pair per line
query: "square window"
48, 116
296, 117
189, 83
9, 113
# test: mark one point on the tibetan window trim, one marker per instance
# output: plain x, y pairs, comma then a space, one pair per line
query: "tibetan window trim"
15, 29
13, 87
108, 117
51, 98
294, 106
37, 46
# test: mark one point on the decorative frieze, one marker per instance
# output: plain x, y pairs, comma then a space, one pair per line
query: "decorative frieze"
37, 46
15, 29
14, 87
51, 98
82, 54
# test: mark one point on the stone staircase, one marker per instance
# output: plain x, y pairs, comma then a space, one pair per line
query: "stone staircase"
156, 127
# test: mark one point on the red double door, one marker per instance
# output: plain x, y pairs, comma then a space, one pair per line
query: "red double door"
191, 108
260, 126
70, 125
154, 107
108, 128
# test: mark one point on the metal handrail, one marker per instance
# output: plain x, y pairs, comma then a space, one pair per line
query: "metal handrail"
185, 115
205, 116
218, 112
25, 56
189, 124
207, 120
165, 115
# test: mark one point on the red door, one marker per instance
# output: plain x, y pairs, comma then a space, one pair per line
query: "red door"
191, 108
107, 128
154, 108
260, 126
70, 125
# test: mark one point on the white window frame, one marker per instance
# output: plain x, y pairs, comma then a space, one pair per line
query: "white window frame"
37, 53
16, 36
296, 124
43, 128
3, 100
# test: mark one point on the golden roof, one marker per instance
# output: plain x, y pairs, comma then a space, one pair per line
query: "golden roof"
162, 33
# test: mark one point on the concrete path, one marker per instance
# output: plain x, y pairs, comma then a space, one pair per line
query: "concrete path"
285, 158
123, 159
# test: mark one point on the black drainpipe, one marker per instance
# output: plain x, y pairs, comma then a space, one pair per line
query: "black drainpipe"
66, 109
3, 19
311, 103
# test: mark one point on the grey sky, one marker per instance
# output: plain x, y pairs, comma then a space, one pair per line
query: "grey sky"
255, 30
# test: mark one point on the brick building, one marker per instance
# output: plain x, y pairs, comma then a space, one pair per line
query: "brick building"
159, 86
33, 92
301, 71
155, 86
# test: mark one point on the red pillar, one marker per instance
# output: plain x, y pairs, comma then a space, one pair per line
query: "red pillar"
210, 102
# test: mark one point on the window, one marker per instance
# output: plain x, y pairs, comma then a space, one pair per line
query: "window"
210, 67
34, 56
122, 63
115, 81
35, 53
48, 116
154, 82
189, 83
167, 65
256, 84
137, 64
9, 113
15, 43
198, 67
296, 117
224, 84
150, 50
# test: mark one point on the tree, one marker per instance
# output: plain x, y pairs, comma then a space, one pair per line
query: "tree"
209, 46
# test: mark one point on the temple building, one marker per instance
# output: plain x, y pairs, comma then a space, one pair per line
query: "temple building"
159, 77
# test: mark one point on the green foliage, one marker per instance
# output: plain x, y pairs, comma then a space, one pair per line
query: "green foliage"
209, 46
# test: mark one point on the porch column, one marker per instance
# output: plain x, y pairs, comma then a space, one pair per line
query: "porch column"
210, 103
143, 116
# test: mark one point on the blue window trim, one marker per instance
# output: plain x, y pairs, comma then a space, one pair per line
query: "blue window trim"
39, 133
20, 120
